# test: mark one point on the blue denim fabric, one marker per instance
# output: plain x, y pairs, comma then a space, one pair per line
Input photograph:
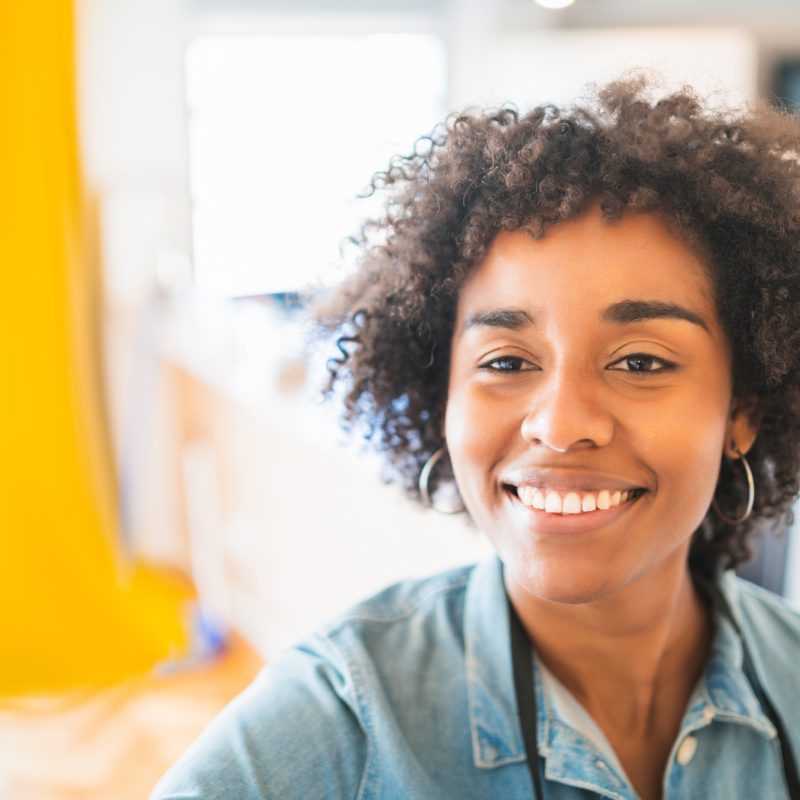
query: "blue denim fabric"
410, 695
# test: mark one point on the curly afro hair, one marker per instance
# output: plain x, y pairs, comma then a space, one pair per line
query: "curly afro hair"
727, 182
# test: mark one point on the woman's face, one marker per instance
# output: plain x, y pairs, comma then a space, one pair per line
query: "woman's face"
585, 365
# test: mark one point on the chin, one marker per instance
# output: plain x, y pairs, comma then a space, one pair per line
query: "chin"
555, 583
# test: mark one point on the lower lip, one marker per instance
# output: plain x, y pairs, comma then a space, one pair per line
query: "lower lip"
585, 522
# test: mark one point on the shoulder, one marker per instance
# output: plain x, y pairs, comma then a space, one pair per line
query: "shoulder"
297, 707
403, 601
766, 613
304, 726
399, 642
771, 626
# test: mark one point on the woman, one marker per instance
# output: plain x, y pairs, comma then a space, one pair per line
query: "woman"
589, 320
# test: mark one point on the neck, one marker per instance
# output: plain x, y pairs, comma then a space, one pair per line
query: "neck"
631, 658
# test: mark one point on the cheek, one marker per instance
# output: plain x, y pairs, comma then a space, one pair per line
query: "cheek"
477, 437
685, 451
466, 442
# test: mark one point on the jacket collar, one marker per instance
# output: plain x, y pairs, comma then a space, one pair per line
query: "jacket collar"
724, 692
729, 693
494, 724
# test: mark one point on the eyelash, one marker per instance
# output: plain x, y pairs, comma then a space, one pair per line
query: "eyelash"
518, 361
666, 366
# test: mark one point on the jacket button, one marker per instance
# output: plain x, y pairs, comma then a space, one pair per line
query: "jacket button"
686, 751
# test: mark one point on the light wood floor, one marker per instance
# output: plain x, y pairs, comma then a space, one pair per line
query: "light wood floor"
114, 744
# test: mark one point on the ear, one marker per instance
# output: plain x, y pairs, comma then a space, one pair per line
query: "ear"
742, 426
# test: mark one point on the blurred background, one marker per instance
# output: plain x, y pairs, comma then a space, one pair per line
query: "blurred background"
176, 503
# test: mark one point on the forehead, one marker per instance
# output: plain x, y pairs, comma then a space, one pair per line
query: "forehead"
584, 265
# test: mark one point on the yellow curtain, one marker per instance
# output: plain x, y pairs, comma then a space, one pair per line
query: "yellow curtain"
72, 613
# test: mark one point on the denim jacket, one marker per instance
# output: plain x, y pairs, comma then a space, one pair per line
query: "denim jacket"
410, 695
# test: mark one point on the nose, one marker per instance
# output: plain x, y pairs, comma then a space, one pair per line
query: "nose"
566, 411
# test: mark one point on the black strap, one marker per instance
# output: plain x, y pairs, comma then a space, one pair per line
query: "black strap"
522, 661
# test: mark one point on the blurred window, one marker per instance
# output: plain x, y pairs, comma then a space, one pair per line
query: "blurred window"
285, 132
787, 85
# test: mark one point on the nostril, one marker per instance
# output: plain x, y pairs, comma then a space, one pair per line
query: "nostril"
568, 422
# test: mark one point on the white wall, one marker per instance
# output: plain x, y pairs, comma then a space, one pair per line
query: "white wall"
531, 67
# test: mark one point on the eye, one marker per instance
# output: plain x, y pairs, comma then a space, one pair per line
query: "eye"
642, 363
507, 364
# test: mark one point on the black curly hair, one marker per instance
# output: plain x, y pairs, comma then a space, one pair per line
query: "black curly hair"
727, 182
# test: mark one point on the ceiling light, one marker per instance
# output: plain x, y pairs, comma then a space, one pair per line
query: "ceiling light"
555, 3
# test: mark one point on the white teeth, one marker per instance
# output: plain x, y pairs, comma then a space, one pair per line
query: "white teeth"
571, 504
553, 502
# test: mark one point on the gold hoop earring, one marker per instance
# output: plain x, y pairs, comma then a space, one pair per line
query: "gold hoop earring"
751, 493
424, 479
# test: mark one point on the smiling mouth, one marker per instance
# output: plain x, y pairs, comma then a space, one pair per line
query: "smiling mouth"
566, 502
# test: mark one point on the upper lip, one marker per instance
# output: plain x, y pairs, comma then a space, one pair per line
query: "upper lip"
566, 479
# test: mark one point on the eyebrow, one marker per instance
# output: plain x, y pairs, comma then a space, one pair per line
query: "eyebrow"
624, 312
512, 318
639, 310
